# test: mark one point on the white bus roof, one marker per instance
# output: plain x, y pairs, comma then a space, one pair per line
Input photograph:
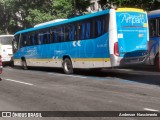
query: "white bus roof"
6, 35
49, 22
154, 12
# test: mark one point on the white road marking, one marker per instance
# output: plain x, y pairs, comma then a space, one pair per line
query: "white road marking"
55, 74
19, 82
148, 109
76, 76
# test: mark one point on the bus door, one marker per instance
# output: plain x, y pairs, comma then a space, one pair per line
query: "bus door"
132, 35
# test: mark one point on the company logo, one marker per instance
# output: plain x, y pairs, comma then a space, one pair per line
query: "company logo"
20, 114
132, 19
6, 114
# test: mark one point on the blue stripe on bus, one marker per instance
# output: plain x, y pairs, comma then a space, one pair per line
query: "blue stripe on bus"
153, 16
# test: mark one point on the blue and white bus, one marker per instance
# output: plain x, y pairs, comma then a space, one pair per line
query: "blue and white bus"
108, 38
154, 33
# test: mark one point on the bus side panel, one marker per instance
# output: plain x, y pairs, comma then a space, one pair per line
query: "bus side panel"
92, 53
87, 52
37, 55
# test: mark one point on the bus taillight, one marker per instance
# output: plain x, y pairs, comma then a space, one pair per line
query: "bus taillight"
116, 51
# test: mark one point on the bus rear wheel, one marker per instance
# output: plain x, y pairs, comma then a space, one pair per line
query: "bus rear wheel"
157, 63
24, 65
67, 66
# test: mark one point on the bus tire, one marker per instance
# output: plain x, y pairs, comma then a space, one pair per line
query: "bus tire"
24, 65
67, 66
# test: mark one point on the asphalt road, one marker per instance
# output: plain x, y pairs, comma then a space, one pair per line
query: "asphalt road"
46, 89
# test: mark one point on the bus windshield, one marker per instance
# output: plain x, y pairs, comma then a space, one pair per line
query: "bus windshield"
6, 40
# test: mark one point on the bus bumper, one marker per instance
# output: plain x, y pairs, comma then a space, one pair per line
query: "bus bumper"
119, 61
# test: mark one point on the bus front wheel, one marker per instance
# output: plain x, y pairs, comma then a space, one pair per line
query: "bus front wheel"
24, 65
157, 63
67, 66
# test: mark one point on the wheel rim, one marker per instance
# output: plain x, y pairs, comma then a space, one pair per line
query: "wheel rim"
67, 66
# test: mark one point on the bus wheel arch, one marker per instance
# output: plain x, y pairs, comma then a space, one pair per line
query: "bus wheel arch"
67, 65
157, 62
24, 63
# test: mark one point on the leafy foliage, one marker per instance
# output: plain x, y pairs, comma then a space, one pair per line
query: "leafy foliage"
143, 4
6, 13
21, 14
62, 8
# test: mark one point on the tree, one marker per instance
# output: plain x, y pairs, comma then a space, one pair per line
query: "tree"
62, 8
143, 4
21, 14
38, 11
155, 5
6, 11
27, 9
80, 6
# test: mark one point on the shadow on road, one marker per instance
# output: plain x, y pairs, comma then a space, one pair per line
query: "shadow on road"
141, 74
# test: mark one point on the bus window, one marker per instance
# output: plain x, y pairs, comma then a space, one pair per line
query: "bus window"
85, 30
152, 28
60, 34
158, 27
70, 32
53, 36
15, 43
57, 34
5, 41
27, 40
33, 39
88, 30
23, 41
99, 27
46, 37
40, 40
